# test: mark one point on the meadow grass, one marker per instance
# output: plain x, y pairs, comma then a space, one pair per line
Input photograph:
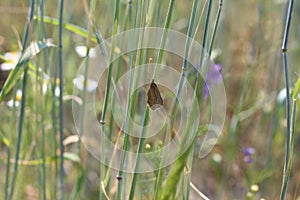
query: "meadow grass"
43, 154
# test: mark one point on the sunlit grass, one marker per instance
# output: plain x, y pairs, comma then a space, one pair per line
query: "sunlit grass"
41, 155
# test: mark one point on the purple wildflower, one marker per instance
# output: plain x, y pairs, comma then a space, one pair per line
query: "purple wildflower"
248, 159
213, 76
248, 152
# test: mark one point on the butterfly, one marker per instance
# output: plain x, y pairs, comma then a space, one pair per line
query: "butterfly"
154, 97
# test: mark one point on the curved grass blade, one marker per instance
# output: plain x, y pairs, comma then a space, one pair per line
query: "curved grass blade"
4, 139
297, 88
289, 131
70, 27
33, 49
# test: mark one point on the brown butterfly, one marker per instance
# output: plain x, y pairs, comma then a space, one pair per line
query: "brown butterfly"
154, 98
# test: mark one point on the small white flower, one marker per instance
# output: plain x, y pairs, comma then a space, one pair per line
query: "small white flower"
79, 83
81, 51
45, 88
215, 53
12, 60
49, 41
254, 188
18, 95
217, 157
57, 91
281, 96
11, 102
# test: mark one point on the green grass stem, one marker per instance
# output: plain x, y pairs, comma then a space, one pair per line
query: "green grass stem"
107, 91
22, 109
289, 130
61, 106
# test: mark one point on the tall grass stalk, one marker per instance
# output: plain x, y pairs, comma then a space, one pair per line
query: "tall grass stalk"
7, 172
113, 45
190, 159
159, 60
131, 101
163, 39
61, 89
159, 14
205, 31
39, 107
127, 22
289, 131
80, 174
106, 181
22, 108
274, 122
53, 146
8, 146
107, 90
43, 100
184, 153
43, 142
145, 114
288, 166
215, 27
190, 34
54, 131
204, 42
139, 150
186, 158
54, 125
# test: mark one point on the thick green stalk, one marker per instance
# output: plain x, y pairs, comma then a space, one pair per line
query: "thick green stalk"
139, 150
61, 88
54, 131
160, 57
190, 162
43, 146
39, 104
176, 171
8, 151
163, 40
130, 104
43, 102
190, 34
113, 45
288, 166
145, 114
7, 172
215, 27
80, 175
288, 158
22, 108
204, 41
107, 90
288, 99
117, 75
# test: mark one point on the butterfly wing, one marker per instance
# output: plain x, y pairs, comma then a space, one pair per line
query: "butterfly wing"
154, 96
